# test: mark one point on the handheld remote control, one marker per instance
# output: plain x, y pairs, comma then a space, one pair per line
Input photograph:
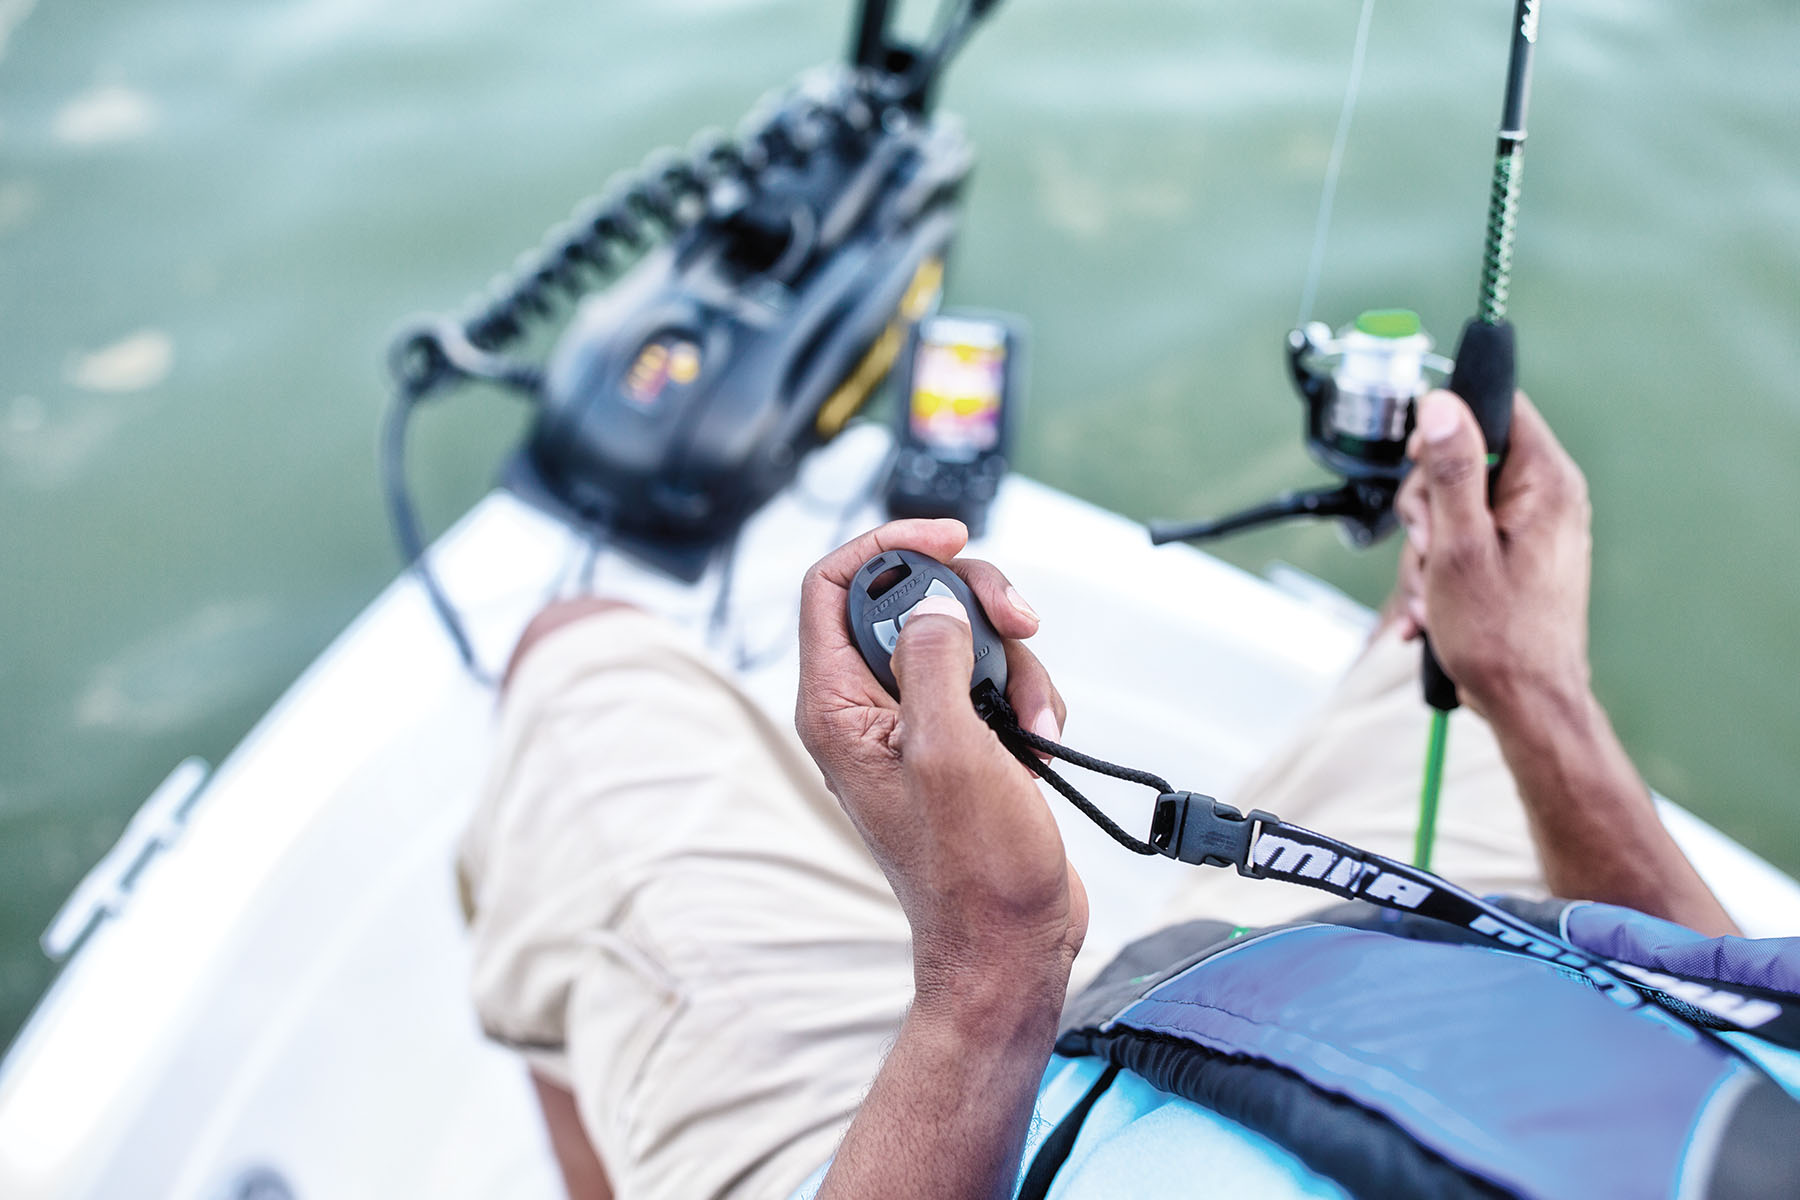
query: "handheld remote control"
882, 595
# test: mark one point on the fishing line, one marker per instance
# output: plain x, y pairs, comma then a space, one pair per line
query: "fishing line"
1431, 787
1335, 164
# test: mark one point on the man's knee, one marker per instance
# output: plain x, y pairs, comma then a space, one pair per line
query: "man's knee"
556, 616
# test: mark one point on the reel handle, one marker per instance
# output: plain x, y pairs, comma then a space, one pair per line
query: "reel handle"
1485, 376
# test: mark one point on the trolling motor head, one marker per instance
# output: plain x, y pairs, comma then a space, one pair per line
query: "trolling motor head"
792, 262
1358, 387
681, 399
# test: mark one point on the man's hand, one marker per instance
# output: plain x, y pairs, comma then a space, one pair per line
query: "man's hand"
958, 826
1503, 591
976, 860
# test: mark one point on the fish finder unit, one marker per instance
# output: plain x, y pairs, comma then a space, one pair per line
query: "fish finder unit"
960, 380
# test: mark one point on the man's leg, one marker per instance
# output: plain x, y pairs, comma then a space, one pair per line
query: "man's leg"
672, 918
1353, 772
583, 1174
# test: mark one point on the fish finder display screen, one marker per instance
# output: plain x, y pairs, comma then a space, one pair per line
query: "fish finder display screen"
959, 383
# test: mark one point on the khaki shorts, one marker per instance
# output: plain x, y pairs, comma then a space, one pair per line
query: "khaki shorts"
672, 917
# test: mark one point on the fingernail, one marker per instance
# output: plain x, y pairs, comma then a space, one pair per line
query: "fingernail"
939, 606
1438, 417
1046, 727
1018, 602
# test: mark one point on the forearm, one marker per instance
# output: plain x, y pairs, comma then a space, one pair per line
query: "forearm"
1592, 816
947, 1115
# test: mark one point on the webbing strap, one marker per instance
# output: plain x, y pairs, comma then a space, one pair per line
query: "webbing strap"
1054, 1151
1197, 829
1279, 850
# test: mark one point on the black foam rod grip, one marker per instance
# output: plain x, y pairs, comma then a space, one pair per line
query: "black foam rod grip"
1485, 377
1486, 374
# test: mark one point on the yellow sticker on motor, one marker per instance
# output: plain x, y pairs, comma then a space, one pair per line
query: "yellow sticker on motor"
921, 296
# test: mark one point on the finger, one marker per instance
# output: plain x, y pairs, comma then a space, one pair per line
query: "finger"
1006, 609
942, 539
825, 643
1531, 434
1536, 461
1414, 512
1033, 696
1417, 614
1405, 607
1453, 460
932, 663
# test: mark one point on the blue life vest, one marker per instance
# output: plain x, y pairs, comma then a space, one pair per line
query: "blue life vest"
1400, 1057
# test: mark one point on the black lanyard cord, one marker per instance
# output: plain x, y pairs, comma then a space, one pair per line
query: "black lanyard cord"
1025, 746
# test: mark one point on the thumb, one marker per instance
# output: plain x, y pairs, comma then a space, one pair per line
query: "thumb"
932, 663
1448, 450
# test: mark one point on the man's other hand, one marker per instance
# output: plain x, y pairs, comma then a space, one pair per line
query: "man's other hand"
958, 826
1502, 590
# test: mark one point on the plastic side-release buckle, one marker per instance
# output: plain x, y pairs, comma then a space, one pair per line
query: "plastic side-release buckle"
1198, 829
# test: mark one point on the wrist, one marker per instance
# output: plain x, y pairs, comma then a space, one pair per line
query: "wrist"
1540, 709
995, 996
1566, 760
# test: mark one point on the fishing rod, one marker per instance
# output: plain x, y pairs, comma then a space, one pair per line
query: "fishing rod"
1360, 386
1485, 377
1486, 355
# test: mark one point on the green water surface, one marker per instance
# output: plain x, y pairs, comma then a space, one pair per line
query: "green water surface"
212, 213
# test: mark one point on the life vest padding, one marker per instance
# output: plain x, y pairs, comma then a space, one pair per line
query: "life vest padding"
1403, 1068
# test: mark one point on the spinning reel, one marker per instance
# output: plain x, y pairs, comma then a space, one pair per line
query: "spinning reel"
1359, 388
